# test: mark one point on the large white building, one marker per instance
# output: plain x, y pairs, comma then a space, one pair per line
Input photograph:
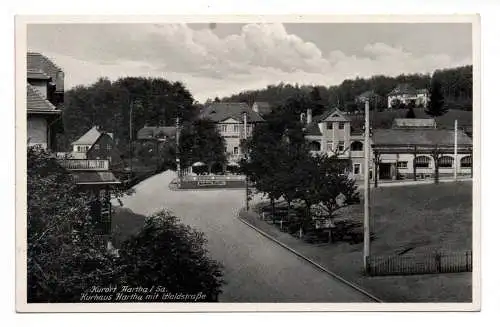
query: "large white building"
408, 150
405, 93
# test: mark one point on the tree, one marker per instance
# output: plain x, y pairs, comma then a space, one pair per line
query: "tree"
410, 113
201, 141
435, 106
65, 254
172, 255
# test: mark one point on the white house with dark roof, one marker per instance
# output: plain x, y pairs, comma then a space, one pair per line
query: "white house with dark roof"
235, 122
405, 93
44, 101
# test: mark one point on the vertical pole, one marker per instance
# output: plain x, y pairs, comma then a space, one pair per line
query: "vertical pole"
455, 163
177, 139
130, 136
366, 247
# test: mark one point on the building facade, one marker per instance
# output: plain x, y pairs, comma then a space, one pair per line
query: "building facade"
44, 101
96, 144
411, 149
235, 123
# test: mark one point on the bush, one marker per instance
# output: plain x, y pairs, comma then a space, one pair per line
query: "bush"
168, 253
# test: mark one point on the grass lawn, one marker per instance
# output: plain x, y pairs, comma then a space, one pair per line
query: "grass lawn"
421, 217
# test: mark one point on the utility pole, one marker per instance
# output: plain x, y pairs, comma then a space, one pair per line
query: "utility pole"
455, 150
130, 135
177, 139
247, 190
366, 245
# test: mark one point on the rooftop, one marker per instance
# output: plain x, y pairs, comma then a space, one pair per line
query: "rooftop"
404, 88
414, 123
36, 102
331, 115
90, 137
429, 137
38, 62
221, 111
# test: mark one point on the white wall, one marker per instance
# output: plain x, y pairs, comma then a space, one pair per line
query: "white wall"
37, 131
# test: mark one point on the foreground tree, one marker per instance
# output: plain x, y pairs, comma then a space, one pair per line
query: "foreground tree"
168, 253
65, 254
435, 106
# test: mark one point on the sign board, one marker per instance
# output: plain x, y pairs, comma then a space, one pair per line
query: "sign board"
324, 223
211, 183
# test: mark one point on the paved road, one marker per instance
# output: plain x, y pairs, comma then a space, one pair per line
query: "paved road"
255, 268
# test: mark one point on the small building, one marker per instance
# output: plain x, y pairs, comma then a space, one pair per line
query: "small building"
96, 144
405, 94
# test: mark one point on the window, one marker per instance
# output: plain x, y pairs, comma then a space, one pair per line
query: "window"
445, 162
315, 146
357, 168
96, 146
236, 128
403, 164
108, 147
225, 149
356, 146
340, 146
223, 128
466, 162
329, 125
422, 162
341, 125
329, 146
235, 150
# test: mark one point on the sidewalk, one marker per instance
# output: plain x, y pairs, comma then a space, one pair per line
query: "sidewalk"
345, 260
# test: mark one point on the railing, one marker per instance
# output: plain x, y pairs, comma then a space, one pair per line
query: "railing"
213, 178
428, 263
85, 164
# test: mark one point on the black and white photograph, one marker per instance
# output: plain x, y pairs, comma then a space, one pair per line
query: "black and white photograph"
251, 164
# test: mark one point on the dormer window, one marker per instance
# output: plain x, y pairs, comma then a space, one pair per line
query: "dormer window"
341, 125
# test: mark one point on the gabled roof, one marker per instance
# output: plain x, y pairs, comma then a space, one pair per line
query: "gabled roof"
94, 177
151, 132
331, 115
404, 88
220, 111
429, 137
368, 94
37, 61
414, 123
90, 137
36, 102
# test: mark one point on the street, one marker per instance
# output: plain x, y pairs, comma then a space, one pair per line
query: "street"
255, 268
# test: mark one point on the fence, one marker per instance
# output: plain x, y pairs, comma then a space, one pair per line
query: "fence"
85, 164
429, 263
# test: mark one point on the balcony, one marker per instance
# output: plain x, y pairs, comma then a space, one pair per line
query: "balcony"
85, 164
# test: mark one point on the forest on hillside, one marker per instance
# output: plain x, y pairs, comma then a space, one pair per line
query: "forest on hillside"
456, 87
111, 105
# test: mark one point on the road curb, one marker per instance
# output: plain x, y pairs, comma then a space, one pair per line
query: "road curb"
317, 265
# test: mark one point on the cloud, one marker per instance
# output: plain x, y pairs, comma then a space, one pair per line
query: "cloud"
211, 65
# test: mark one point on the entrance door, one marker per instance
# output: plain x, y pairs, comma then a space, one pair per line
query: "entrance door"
385, 171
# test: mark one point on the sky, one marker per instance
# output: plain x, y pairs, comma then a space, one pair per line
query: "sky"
220, 59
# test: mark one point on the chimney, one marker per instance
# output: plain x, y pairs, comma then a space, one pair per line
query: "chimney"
309, 116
